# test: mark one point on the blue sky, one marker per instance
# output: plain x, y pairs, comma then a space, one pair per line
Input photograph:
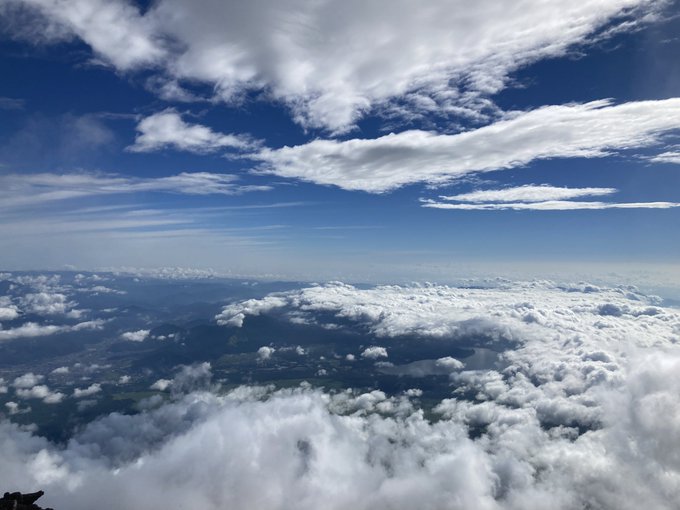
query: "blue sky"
369, 141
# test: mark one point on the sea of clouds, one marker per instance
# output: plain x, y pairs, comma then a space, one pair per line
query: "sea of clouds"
584, 413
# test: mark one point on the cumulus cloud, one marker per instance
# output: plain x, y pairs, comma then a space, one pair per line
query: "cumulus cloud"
374, 352
167, 130
42, 392
28, 380
449, 363
8, 311
313, 58
194, 377
506, 311
161, 384
561, 343
12, 407
28, 386
92, 389
234, 315
265, 352
49, 303
136, 336
382, 164
582, 413
333, 451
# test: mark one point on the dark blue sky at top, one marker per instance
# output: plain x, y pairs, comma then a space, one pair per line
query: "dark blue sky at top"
343, 232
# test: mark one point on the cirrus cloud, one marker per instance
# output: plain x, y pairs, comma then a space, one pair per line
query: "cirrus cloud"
536, 198
26, 189
528, 193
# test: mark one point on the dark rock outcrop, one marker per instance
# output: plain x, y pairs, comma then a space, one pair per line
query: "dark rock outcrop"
19, 501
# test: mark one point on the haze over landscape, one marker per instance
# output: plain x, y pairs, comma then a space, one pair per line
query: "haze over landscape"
337, 254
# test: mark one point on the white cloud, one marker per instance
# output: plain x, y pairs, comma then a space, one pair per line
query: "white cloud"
590, 377
42, 392
60, 371
445, 58
509, 311
8, 313
571, 340
161, 384
192, 378
49, 303
113, 28
374, 352
667, 157
28, 380
92, 389
265, 352
124, 379
136, 336
567, 131
332, 451
100, 289
528, 193
536, 198
12, 407
167, 130
551, 205
27, 189
233, 315
41, 282
29, 330
199, 183
32, 329
28, 386
450, 363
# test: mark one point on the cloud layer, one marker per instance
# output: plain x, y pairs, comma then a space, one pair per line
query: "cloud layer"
582, 413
